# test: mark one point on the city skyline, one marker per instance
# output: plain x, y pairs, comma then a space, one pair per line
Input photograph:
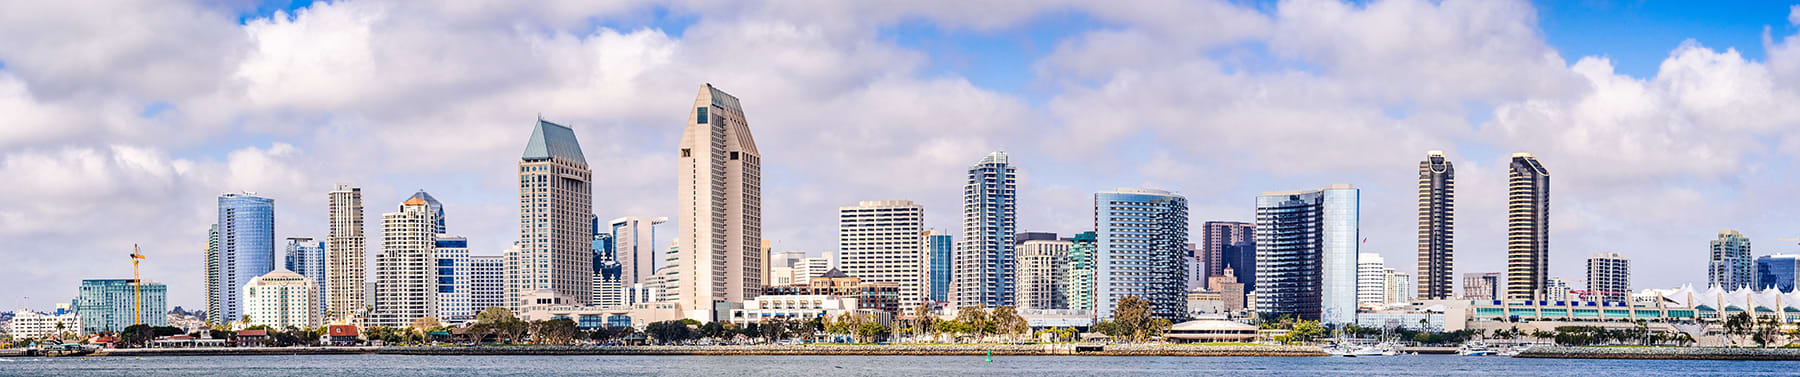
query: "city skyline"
149, 157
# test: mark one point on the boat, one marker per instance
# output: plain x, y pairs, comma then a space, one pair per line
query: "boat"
1475, 349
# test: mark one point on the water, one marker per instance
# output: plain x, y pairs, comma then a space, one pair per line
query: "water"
912, 366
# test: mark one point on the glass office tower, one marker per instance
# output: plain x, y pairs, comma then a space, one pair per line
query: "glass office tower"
246, 249
1307, 243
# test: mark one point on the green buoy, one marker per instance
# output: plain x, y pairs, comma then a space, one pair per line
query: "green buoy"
990, 356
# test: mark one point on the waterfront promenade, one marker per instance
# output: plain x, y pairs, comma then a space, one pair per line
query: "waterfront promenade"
760, 350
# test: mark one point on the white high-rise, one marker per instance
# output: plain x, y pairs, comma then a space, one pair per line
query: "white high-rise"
406, 270
811, 268
556, 221
281, 299
456, 301
984, 258
487, 282
1399, 287
1371, 280
719, 205
344, 257
1042, 266
883, 242
634, 240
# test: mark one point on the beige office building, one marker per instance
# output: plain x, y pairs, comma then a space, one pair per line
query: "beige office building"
556, 214
884, 242
280, 299
719, 207
1527, 229
406, 270
1042, 267
344, 255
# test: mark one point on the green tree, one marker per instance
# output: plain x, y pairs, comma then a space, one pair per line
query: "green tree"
1132, 314
554, 331
669, 332
1307, 331
870, 332
1737, 325
425, 324
978, 323
1008, 322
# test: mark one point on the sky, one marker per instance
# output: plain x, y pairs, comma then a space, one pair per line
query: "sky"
1661, 123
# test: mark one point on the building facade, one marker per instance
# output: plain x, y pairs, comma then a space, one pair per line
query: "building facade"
246, 249
1527, 229
555, 217
884, 241
487, 282
307, 258
27, 324
1371, 280
1481, 286
406, 271
435, 208
345, 266
1437, 227
1078, 285
1043, 268
634, 240
1231, 292
1729, 265
1399, 287
719, 200
455, 301
1307, 245
938, 248
1141, 250
1778, 272
1609, 277
608, 286
1240, 258
114, 304
1219, 236
984, 259
281, 299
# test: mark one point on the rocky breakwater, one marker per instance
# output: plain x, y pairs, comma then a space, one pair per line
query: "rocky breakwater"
234, 351
876, 350
1662, 353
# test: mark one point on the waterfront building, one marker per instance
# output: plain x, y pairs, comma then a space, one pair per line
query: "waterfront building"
487, 282
1729, 264
1398, 287
984, 257
307, 258
608, 287
1307, 244
1217, 237
719, 203
1527, 229
1141, 250
1212, 330
280, 299
884, 241
1371, 280
1778, 272
634, 243
938, 248
555, 217
109, 304
345, 266
27, 324
1204, 303
1437, 227
1043, 265
869, 295
1231, 292
455, 300
246, 249
1609, 276
1480, 286
1078, 288
406, 274
803, 308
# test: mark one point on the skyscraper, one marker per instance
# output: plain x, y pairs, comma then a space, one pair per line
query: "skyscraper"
1609, 277
1240, 263
246, 250
556, 212
1078, 286
1437, 227
1141, 250
634, 242
1729, 264
345, 263
984, 257
213, 287
406, 275
1307, 243
435, 208
1042, 267
1219, 235
487, 282
107, 304
884, 242
1371, 280
307, 258
1481, 286
1527, 229
455, 299
1777, 271
719, 200
1399, 286
938, 246
607, 287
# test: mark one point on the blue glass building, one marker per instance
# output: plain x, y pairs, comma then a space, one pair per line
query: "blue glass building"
1777, 271
246, 249
1306, 246
307, 258
1141, 249
940, 246
984, 259
106, 305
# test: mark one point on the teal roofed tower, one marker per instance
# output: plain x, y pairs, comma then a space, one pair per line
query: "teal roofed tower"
553, 141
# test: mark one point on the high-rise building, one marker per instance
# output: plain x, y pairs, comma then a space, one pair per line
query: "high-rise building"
1398, 286
984, 257
1307, 243
608, 289
246, 249
1079, 285
1778, 271
634, 241
1196, 268
938, 248
1437, 227
1481, 286
811, 267
307, 258
719, 200
1609, 277
1219, 235
213, 288
435, 208
1371, 280
1729, 264
345, 266
1240, 258
1043, 266
110, 304
1561, 290
280, 299
1141, 250
487, 282
555, 218
1527, 229
455, 301
406, 275
884, 242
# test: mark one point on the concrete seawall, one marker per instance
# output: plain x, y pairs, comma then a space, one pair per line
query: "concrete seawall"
756, 350
1662, 353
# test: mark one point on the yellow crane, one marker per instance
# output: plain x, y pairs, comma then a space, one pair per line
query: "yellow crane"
137, 301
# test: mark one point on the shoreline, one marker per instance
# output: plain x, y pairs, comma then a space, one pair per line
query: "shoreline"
1662, 353
749, 350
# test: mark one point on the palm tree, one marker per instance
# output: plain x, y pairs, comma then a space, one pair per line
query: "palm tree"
1737, 324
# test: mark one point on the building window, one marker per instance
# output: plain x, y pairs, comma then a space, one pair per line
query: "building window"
700, 115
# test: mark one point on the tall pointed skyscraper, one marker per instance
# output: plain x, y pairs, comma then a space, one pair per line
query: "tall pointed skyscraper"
984, 258
1527, 229
1437, 227
719, 207
436, 209
556, 224
345, 266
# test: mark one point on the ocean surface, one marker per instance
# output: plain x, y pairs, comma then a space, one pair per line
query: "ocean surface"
913, 366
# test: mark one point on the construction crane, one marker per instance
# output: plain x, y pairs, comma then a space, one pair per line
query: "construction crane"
137, 301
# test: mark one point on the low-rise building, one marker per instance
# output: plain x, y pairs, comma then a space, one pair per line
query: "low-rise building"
1211, 330
802, 308
874, 296
27, 324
